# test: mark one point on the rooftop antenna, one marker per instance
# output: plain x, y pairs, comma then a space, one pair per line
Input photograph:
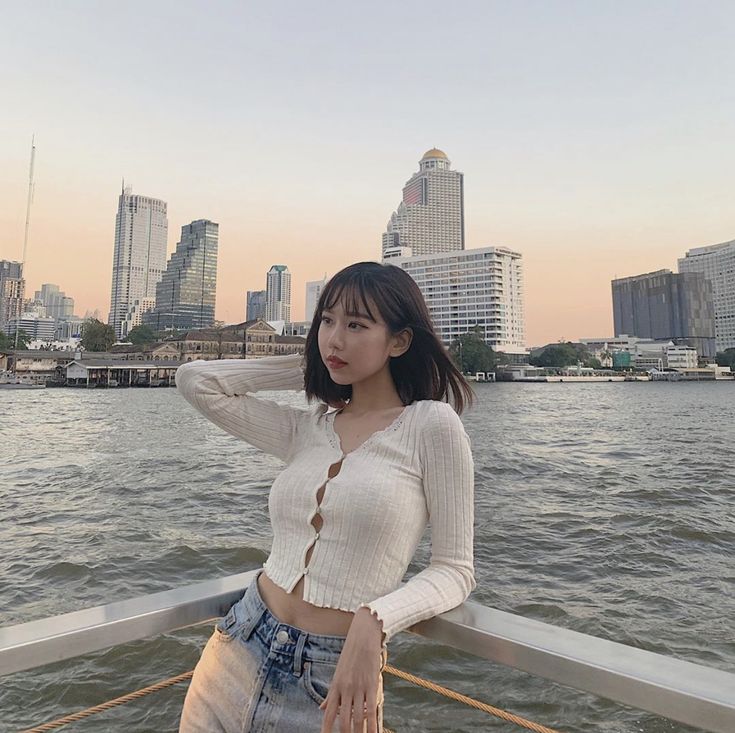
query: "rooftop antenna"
28, 224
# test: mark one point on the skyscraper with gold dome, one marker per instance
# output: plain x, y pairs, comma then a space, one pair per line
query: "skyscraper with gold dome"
430, 218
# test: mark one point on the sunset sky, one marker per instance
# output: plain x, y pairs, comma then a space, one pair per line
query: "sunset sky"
596, 138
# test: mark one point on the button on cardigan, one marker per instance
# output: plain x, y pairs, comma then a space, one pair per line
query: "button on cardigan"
416, 471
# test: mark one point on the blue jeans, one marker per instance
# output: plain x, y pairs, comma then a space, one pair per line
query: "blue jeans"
257, 674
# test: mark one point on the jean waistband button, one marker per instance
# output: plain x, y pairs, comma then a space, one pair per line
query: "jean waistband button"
282, 637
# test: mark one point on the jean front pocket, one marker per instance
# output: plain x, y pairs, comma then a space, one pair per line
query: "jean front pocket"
316, 678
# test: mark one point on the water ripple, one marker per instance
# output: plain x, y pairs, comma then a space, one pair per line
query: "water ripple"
606, 509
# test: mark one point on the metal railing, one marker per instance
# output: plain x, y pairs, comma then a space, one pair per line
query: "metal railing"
672, 688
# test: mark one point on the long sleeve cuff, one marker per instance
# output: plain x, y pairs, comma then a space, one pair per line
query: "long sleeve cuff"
448, 478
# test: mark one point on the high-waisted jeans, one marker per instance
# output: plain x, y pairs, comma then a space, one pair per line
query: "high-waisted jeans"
258, 675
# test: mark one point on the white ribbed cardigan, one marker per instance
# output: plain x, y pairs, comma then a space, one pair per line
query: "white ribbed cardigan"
418, 470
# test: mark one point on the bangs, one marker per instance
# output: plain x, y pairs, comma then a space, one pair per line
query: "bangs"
383, 293
352, 294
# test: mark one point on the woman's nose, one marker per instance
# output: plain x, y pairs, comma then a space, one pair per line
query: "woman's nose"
335, 338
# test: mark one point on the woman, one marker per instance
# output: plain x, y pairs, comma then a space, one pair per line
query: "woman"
305, 646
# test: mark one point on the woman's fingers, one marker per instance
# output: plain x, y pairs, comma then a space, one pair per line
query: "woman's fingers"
358, 715
362, 712
366, 712
350, 723
331, 707
345, 716
351, 711
372, 716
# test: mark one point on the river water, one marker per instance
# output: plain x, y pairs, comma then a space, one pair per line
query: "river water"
603, 508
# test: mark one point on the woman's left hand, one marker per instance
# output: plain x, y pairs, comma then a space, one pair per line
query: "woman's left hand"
353, 692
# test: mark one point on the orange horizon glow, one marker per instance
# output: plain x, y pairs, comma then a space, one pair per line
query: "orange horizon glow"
567, 289
595, 139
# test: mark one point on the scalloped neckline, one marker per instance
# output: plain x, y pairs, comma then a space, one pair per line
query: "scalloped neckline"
336, 441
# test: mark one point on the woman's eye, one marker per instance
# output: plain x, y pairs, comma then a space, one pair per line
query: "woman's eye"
325, 319
359, 325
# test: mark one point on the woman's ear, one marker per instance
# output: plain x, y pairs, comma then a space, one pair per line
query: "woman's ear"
401, 342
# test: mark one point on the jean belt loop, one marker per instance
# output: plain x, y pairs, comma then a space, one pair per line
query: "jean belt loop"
298, 654
252, 618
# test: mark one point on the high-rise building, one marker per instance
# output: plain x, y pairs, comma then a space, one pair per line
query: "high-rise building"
57, 304
12, 291
255, 305
139, 261
476, 287
186, 294
665, 306
430, 218
717, 263
278, 294
313, 292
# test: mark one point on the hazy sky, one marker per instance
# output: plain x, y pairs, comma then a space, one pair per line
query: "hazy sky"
597, 138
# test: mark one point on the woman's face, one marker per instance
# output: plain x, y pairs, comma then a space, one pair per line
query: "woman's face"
352, 346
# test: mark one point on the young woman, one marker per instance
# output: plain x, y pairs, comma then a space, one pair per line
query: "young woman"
379, 456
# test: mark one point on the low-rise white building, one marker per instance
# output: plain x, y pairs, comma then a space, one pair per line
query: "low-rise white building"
681, 357
644, 353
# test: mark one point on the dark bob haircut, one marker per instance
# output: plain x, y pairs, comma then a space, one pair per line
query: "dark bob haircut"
424, 372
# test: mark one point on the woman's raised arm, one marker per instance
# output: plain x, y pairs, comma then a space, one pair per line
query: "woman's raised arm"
222, 391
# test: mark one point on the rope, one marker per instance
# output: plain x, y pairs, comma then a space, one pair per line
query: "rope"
420, 682
74, 717
497, 712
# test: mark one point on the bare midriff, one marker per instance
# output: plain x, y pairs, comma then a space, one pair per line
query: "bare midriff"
291, 608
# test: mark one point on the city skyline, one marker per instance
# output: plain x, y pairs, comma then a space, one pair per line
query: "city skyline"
594, 140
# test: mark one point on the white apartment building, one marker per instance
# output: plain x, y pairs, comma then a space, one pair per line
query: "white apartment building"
278, 294
430, 217
475, 287
717, 262
314, 290
139, 260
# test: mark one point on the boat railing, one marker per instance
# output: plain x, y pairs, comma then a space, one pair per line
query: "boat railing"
682, 691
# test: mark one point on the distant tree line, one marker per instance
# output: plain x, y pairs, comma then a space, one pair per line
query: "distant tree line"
471, 354
726, 358
97, 336
563, 355
8, 342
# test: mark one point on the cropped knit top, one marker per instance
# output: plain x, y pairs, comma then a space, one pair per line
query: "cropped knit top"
417, 471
